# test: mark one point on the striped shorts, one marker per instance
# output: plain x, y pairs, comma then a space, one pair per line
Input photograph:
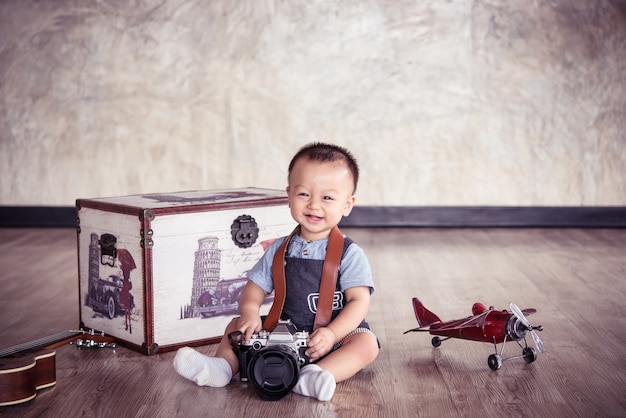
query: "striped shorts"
356, 331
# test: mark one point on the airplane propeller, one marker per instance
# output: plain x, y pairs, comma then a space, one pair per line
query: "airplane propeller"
518, 313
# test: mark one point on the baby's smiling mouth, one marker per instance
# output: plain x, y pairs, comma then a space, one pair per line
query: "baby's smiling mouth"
314, 218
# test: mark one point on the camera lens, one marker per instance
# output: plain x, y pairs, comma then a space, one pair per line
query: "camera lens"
274, 372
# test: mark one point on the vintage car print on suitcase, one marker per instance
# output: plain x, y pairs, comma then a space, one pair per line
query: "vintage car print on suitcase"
161, 271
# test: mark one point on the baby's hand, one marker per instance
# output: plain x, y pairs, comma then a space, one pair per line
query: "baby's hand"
248, 325
320, 343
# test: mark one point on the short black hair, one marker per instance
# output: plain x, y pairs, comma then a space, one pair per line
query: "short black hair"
325, 153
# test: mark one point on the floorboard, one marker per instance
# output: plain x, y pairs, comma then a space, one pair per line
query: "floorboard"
576, 278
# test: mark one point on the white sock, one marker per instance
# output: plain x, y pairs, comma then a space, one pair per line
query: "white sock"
204, 370
316, 383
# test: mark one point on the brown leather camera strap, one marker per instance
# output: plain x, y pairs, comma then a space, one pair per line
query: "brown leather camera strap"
330, 271
278, 277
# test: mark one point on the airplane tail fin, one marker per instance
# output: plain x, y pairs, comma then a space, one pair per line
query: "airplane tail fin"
424, 316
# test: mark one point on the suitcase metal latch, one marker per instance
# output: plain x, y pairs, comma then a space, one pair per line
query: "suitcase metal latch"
244, 231
108, 252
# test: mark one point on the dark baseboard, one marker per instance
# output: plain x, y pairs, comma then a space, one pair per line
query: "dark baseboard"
37, 217
487, 217
389, 217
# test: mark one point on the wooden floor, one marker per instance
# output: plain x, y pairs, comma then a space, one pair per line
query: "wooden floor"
576, 278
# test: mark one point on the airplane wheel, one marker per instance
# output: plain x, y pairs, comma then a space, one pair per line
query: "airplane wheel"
529, 354
436, 341
494, 361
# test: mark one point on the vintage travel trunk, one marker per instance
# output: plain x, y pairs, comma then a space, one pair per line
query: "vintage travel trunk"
161, 271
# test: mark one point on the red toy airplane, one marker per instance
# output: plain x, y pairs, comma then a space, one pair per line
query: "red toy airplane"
487, 325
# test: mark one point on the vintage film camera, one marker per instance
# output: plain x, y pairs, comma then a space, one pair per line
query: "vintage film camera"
271, 360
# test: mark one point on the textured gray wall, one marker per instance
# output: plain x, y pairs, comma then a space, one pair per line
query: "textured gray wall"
483, 102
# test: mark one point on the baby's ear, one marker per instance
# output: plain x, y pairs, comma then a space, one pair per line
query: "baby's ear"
349, 205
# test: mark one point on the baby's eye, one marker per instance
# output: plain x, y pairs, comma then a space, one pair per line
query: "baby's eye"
303, 194
327, 198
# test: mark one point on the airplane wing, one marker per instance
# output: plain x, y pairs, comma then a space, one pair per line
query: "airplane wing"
419, 329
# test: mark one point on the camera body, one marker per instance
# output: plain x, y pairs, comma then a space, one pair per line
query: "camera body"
272, 360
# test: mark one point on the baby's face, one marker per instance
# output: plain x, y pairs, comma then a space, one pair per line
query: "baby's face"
320, 194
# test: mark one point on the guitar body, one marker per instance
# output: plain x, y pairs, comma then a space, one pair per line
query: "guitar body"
22, 376
29, 367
